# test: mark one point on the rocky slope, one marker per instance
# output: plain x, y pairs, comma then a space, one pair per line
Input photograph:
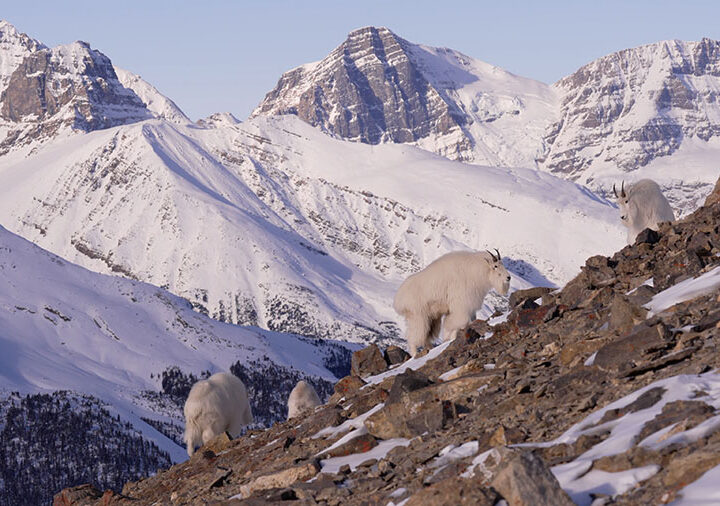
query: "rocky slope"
606, 390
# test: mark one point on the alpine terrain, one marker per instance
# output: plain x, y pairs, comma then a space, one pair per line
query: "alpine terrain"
141, 251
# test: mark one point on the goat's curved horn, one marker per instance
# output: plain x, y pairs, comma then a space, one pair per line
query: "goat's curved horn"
498, 254
614, 190
622, 190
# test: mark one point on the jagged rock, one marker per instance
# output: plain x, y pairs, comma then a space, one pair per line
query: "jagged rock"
520, 296
624, 315
281, 479
523, 479
367, 362
628, 351
361, 444
454, 491
77, 496
686, 469
647, 236
407, 419
348, 385
395, 355
407, 381
714, 196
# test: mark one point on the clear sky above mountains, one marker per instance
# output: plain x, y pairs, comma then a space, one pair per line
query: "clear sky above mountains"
225, 55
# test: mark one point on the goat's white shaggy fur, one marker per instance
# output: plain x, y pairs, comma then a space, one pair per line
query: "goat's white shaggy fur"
449, 291
643, 206
302, 398
215, 405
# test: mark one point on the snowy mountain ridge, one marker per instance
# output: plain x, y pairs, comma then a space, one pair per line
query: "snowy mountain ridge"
619, 117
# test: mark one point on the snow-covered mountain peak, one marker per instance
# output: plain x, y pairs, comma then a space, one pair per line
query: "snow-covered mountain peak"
71, 86
218, 119
14, 47
622, 115
377, 87
158, 104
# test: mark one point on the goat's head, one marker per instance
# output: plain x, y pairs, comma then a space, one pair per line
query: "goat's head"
499, 277
628, 208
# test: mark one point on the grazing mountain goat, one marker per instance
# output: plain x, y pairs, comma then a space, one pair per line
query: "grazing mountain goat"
215, 405
449, 290
642, 206
302, 397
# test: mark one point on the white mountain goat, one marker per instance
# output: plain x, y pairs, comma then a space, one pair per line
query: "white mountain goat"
215, 405
302, 398
642, 206
449, 291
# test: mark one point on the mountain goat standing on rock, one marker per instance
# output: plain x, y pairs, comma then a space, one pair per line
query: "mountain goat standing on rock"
215, 405
449, 291
642, 206
302, 397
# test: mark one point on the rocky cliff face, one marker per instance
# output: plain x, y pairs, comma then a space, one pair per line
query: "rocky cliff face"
368, 89
621, 116
631, 107
74, 82
604, 390
14, 47
377, 87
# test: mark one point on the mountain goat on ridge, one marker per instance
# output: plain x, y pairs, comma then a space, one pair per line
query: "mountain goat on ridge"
449, 291
302, 398
215, 405
642, 206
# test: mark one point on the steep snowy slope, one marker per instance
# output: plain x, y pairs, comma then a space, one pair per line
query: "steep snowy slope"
377, 87
650, 111
157, 103
64, 327
271, 222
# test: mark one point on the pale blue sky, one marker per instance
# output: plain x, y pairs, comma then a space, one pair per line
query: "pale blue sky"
211, 56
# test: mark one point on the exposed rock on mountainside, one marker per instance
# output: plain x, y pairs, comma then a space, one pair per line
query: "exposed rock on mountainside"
14, 47
630, 107
626, 111
377, 87
72, 85
604, 389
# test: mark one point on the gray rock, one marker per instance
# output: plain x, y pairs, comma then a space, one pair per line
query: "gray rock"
367, 362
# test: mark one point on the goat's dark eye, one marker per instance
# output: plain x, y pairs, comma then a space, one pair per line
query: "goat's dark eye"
627, 201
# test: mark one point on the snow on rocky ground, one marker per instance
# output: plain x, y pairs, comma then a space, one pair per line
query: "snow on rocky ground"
64, 327
685, 290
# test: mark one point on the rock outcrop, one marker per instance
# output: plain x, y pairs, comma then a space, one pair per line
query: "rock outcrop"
586, 359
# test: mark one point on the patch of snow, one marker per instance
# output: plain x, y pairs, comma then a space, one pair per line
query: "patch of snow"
452, 452
702, 492
685, 290
352, 424
333, 465
648, 282
591, 359
412, 363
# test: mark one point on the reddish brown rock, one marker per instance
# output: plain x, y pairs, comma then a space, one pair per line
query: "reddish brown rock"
367, 362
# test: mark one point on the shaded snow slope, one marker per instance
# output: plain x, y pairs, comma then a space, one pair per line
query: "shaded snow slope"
64, 327
157, 103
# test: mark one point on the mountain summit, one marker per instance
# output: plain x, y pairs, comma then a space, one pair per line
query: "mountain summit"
377, 87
